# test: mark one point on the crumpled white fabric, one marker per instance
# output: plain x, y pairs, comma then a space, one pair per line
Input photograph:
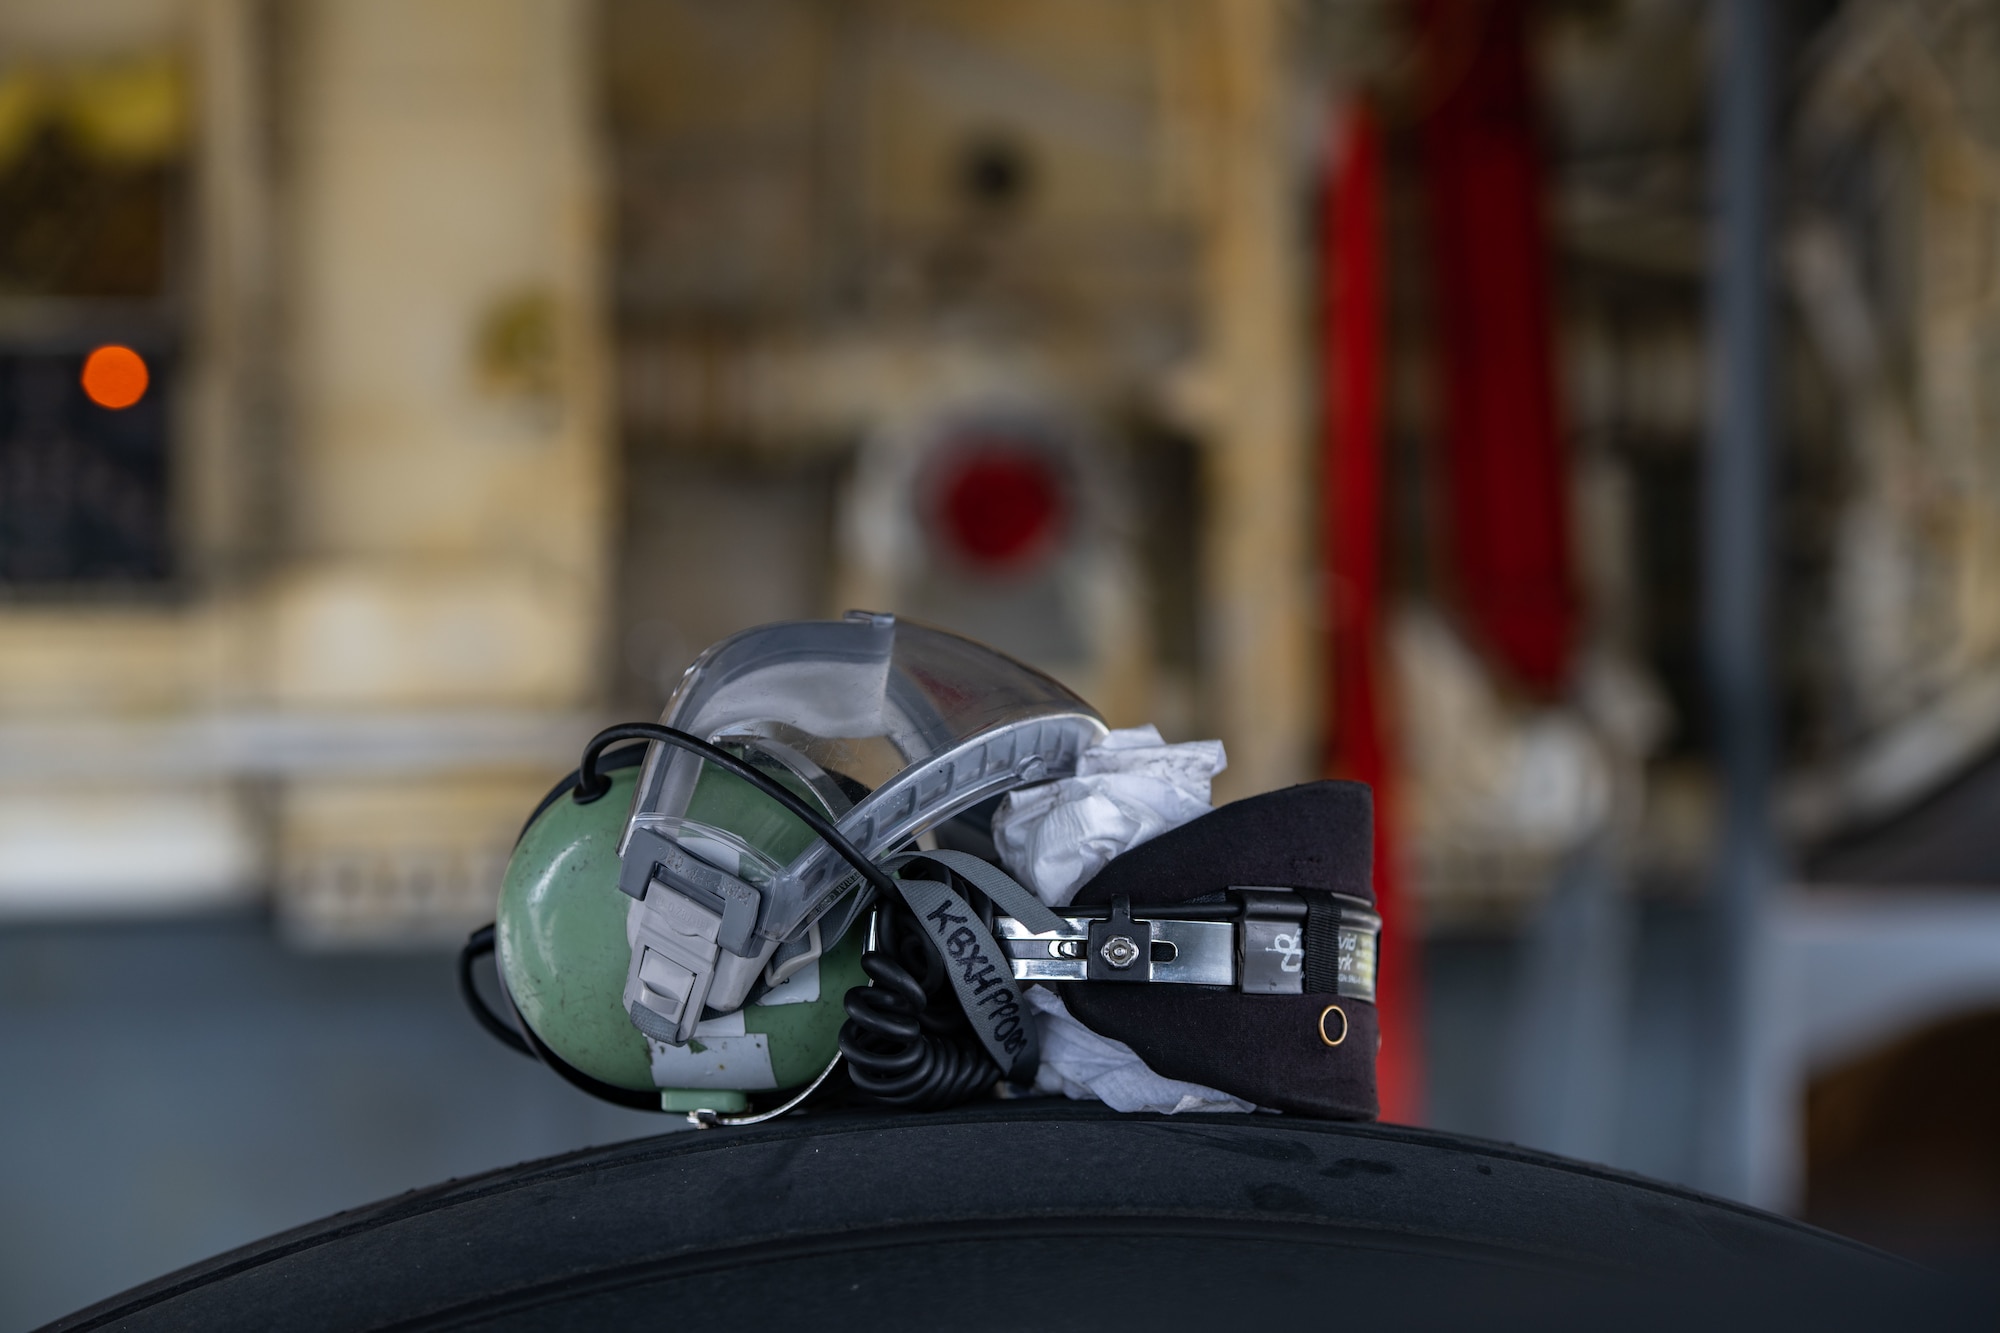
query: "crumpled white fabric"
1082, 1065
1129, 787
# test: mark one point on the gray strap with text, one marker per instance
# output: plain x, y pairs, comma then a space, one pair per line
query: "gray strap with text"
1007, 893
978, 968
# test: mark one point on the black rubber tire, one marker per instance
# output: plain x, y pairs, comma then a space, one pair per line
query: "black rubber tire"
1040, 1215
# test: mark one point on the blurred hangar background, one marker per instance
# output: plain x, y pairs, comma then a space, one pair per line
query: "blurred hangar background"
1336, 377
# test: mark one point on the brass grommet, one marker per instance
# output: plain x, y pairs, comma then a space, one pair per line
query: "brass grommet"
1333, 1009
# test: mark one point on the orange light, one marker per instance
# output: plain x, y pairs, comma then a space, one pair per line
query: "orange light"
115, 376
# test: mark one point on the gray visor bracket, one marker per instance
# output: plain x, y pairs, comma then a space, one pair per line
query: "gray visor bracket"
915, 724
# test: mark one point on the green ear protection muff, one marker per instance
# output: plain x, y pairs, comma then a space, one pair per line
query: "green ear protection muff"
563, 954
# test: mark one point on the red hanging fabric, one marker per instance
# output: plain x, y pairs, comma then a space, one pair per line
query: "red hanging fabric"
1506, 481
1352, 269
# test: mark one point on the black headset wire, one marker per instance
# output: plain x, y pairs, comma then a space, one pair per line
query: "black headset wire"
477, 946
630, 756
591, 785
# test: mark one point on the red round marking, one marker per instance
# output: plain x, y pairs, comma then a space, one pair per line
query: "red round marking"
999, 506
115, 376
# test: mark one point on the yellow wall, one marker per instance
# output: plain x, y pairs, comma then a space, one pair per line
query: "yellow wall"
418, 276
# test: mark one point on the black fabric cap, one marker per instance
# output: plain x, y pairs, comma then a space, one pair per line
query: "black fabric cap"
1318, 835
1266, 1049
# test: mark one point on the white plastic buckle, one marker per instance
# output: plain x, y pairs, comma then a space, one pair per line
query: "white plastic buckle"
674, 954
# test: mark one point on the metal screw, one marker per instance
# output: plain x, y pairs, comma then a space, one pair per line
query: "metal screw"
1119, 951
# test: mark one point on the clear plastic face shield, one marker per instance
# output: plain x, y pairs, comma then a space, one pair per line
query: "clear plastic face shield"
887, 728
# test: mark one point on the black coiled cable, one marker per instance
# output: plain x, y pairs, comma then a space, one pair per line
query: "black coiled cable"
906, 1040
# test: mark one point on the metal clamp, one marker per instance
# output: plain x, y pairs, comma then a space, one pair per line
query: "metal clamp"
1255, 943
1193, 953
1119, 949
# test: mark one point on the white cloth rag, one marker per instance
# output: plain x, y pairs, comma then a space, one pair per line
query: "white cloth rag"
1129, 787
1084, 1066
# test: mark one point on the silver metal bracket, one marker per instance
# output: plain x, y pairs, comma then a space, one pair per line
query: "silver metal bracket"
1255, 944
1194, 953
